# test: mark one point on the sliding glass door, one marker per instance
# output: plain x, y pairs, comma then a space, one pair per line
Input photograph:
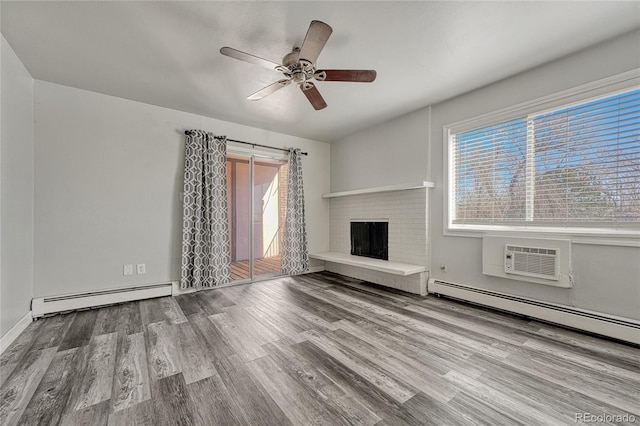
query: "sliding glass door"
257, 203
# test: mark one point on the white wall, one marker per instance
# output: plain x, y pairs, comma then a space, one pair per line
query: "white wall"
16, 189
607, 278
108, 178
389, 153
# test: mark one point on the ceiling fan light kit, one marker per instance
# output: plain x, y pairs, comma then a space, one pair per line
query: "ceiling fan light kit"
299, 67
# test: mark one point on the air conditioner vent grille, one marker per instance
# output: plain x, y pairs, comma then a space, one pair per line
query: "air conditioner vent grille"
532, 250
531, 261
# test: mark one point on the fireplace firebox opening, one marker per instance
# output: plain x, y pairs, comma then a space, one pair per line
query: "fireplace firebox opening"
370, 239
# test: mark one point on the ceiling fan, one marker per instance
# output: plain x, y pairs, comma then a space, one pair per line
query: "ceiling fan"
299, 67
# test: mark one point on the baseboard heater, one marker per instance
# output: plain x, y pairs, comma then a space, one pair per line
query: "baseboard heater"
54, 304
624, 329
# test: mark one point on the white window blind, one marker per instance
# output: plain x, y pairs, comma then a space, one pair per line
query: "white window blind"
575, 166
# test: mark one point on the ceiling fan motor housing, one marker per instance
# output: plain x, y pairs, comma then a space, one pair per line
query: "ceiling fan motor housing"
291, 58
296, 69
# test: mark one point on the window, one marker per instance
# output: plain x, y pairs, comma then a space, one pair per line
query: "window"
575, 167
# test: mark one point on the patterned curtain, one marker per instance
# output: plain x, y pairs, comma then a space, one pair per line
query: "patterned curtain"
295, 255
206, 258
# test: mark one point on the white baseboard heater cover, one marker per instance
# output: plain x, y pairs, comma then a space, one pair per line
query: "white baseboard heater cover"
624, 329
54, 304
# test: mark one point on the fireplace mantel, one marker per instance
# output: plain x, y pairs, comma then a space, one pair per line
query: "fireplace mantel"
388, 188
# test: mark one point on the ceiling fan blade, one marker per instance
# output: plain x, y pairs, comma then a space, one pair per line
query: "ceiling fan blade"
358, 76
314, 96
269, 89
314, 41
236, 54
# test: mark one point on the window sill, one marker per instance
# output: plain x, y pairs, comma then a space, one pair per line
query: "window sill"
595, 236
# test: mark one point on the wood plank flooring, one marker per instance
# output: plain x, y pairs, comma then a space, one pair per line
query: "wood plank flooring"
318, 349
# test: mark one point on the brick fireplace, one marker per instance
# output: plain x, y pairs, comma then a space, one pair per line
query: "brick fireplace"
406, 213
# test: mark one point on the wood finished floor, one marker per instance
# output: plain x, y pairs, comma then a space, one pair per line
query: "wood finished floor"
319, 349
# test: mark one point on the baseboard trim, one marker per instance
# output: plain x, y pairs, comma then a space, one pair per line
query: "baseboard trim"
177, 291
624, 329
10, 336
314, 269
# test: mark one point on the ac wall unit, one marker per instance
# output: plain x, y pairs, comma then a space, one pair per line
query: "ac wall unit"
535, 262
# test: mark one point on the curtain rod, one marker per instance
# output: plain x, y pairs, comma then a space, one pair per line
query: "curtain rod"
187, 132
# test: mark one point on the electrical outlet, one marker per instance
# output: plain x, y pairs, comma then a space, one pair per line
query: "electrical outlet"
127, 270
142, 268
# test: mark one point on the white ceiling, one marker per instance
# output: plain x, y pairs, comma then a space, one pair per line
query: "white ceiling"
167, 53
